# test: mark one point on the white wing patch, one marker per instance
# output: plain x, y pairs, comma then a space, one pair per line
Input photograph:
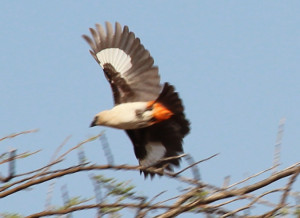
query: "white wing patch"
116, 57
154, 153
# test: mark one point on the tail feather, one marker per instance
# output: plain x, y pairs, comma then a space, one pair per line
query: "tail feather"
170, 99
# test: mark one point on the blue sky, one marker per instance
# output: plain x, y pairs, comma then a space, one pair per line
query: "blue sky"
234, 63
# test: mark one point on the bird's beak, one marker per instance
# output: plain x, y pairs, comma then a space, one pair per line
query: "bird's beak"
94, 122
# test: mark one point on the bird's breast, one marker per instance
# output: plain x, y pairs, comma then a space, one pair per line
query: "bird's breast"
132, 115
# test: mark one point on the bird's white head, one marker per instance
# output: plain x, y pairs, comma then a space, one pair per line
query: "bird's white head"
100, 119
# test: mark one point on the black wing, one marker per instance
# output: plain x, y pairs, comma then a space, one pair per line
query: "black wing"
164, 139
127, 65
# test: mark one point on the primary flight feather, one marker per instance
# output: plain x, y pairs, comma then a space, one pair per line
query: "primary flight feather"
151, 114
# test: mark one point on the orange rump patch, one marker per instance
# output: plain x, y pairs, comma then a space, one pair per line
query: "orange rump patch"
150, 104
160, 112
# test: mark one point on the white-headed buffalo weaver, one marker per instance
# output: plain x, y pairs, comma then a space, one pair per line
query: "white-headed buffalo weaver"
151, 114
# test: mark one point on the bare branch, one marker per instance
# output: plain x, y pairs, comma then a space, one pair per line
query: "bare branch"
190, 166
112, 196
251, 203
17, 134
251, 177
281, 174
20, 156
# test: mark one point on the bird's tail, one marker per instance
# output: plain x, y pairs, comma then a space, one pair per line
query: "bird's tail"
170, 99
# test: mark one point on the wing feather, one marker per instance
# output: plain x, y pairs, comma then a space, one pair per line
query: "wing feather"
109, 34
134, 47
96, 39
90, 42
124, 37
129, 42
130, 64
117, 37
102, 36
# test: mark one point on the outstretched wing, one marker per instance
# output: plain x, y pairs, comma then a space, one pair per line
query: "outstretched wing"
127, 65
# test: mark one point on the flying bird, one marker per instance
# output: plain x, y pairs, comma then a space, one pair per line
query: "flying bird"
151, 114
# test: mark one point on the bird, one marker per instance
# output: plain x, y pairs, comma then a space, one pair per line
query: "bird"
151, 113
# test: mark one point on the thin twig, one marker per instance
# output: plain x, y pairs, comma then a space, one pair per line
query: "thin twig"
250, 177
78, 145
20, 156
200, 161
251, 203
52, 160
17, 134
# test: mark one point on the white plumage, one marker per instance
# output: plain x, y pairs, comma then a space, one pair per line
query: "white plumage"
116, 57
126, 116
155, 151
